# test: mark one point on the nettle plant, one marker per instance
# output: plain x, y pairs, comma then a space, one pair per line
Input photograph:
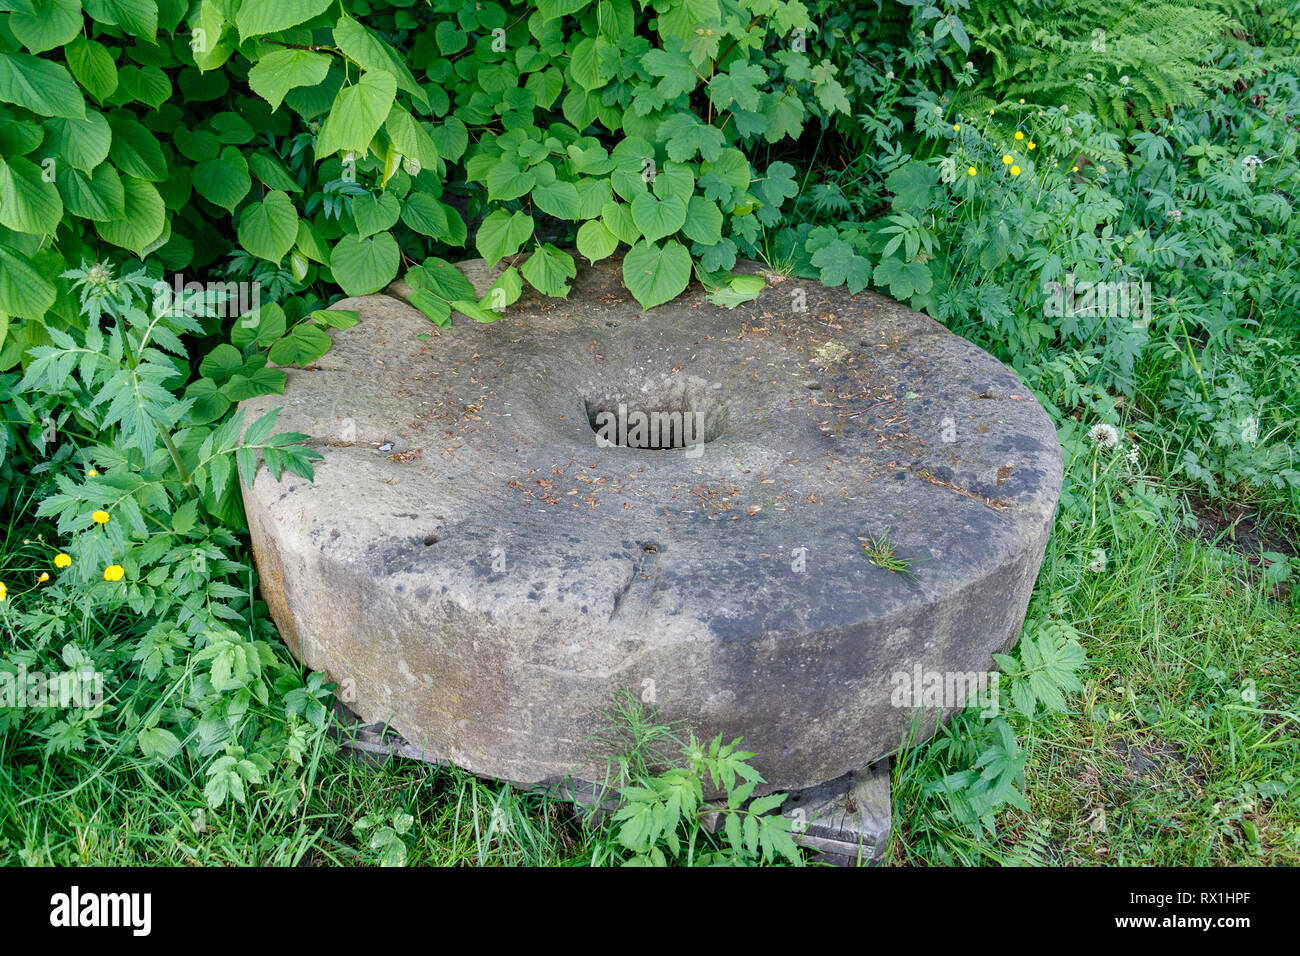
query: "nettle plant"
350, 143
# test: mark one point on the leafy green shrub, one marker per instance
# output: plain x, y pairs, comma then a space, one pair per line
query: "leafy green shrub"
1148, 260
312, 147
140, 583
296, 149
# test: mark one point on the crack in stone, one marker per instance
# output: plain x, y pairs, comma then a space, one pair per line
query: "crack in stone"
643, 567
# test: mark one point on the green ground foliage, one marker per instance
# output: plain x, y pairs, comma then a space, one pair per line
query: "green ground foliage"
1101, 195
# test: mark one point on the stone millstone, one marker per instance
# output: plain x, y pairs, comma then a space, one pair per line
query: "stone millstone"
473, 567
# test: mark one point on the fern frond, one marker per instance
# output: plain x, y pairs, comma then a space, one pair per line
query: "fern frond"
1124, 63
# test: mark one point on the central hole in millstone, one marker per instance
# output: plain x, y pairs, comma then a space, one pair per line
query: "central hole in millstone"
675, 411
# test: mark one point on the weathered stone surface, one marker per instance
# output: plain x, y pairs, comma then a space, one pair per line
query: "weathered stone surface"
472, 567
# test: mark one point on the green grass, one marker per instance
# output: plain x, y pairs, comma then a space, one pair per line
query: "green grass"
1164, 758
880, 552
1160, 761
1183, 746
113, 812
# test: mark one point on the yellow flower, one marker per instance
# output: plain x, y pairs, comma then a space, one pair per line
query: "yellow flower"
1022, 99
1015, 170
956, 127
4, 591
62, 560
101, 517
92, 473
1032, 144
1007, 160
113, 572
990, 112
1020, 135
971, 171
45, 576
1074, 169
